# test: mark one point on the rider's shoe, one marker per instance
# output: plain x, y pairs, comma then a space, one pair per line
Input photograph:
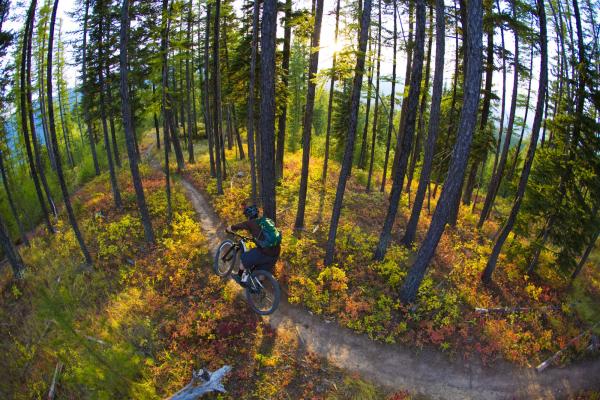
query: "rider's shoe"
244, 277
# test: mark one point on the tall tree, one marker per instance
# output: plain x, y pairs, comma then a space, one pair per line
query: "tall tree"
166, 101
216, 80
11, 202
346, 168
128, 125
308, 113
433, 129
25, 63
330, 101
86, 111
392, 100
537, 121
52, 127
472, 34
497, 177
191, 122
408, 133
210, 133
109, 156
267, 107
251, 90
285, 66
376, 108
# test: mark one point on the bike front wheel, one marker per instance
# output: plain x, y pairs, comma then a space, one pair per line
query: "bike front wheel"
225, 258
263, 292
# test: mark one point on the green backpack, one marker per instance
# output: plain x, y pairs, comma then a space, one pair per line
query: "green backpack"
269, 234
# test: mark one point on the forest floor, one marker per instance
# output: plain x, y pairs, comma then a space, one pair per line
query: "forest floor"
143, 317
421, 369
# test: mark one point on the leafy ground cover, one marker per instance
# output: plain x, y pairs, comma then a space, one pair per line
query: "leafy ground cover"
138, 322
363, 295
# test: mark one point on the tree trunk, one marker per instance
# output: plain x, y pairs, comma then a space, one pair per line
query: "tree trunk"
351, 137
585, 255
376, 108
25, 88
330, 101
86, 111
518, 149
217, 100
111, 119
362, 159
409, 130
285, 66
11, 203
155, 117
52, 128
485, 112
128, 126
210, 133
111, 167
308, 113
433, 128
188, 81
14, 258
165, 102
472, 29
416, 152
392, 102
267, 108
497, 177
251, 93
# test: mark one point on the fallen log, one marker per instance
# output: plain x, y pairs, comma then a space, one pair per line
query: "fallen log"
202, 382
52, 390
550, 360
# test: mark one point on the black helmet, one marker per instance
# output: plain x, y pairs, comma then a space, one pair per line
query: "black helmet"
251, 212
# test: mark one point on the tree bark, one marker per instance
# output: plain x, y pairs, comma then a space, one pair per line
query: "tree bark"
497, 177
472, 29
267, 108
330, 101
518, 149
210, 133
86, 111
251, 90
25, 88
217, 100
433, 128
351, 137
585, 255
14, 258
392, 102
111, 167
535, 130
409, 131
285, 66
188, 80
128, 126
376, 108
11, 203
308, 113
52, 128
362, 158
416, 152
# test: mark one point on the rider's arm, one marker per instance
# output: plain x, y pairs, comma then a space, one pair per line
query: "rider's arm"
241, 225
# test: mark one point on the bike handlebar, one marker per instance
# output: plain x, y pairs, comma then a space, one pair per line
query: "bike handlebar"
238, 235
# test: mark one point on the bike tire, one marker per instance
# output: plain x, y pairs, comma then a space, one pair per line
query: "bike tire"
266, 300
223, 267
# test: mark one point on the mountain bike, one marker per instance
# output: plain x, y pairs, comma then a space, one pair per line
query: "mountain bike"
262, 289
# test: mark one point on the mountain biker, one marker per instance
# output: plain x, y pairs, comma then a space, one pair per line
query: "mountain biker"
267, 238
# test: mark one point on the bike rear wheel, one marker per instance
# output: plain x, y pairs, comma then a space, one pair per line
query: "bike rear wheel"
263, 292
225, 258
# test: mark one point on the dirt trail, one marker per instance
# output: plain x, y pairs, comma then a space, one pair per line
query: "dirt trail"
427, 372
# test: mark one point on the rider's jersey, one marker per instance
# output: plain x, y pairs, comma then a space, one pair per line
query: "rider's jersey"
252, 226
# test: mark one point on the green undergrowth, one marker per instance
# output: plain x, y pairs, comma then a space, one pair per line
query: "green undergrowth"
362, 294
137, 322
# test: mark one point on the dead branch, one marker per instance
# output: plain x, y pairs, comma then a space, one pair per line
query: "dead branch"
57, 370
202, 382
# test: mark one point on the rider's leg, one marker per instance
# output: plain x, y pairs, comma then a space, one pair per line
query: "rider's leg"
256, 258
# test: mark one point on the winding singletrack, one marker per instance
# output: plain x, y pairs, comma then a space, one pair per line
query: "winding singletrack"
397, 367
